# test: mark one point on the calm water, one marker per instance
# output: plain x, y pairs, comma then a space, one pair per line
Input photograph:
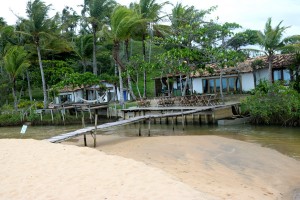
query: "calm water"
282, 139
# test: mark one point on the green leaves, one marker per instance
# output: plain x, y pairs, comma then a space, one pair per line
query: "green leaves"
15, 61
273, 104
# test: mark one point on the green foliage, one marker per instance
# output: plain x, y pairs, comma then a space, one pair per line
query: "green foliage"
10, 119
7, 108
78, 80
273, 104
25, 104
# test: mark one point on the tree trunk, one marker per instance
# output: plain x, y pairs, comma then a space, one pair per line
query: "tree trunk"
137, 85
95, 70
29, 86
145, 74
43, 76
116, 58
270, 63
254, 77
128, 75
187, 78
130, 87
221, 87
15, 95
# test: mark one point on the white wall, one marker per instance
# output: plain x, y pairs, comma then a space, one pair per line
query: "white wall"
197, 85
261, 74
247, 81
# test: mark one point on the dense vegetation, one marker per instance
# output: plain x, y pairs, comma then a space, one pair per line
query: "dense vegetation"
126, 46
273, 104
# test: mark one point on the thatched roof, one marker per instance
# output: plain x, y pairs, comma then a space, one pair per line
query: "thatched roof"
279, 61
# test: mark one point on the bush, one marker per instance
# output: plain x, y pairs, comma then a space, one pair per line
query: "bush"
273, 104
10, 119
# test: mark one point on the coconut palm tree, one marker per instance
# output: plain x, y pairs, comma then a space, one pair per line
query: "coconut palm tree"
150, 11
98, 12
272, 41
83, 47
15, 62
123, 20
39, 27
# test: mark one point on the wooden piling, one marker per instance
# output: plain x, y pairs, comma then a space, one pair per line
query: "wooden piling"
140, 134
149, 124
173, 123
95, 132
182, 122
51, 111
83, 126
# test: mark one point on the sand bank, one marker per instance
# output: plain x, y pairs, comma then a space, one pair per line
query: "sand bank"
169, 167
32, 169
227, 168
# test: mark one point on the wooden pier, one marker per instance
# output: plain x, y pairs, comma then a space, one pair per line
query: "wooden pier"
171, 114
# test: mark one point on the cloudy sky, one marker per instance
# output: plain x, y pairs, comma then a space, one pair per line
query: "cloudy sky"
250, 14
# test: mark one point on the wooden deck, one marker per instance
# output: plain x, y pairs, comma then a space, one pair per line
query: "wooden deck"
172, 112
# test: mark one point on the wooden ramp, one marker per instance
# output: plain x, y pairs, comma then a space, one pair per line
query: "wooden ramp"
83, 131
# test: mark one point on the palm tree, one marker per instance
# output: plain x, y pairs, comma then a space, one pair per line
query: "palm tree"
98, 12
271, 40
149, 10
15, 62
123, 20
38, 27
83, 47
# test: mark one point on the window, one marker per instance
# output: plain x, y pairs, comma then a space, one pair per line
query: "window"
282, 75
229, 84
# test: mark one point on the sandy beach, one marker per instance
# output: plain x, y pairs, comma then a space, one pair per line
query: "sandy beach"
168, 167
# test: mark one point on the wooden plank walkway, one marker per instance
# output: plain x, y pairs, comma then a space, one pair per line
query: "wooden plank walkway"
83, 131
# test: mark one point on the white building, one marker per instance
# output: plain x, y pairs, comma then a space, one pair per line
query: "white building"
93, 94
234, 79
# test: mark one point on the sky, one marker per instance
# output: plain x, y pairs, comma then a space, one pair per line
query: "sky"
249, 14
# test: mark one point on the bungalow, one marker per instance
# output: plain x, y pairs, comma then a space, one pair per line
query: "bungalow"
244, 77
93, 94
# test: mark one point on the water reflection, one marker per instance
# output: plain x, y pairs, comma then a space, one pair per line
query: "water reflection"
283, 139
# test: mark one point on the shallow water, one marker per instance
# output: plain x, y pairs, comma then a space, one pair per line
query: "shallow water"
283, 139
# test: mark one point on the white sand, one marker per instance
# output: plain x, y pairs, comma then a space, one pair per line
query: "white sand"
32, 169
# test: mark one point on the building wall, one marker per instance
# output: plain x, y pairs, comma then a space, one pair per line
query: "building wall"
261, 75
247, 81
197, 85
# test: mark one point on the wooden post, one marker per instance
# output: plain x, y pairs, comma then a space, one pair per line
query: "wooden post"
140, 134
51, 111
95, 132
173, 123
90, 114
193, 116
63, 115
167, 120
149, 127
182, 122
160, 118
83, 125
176, 121
76, 112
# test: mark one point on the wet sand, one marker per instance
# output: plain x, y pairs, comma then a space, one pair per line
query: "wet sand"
166, 167
226, 168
